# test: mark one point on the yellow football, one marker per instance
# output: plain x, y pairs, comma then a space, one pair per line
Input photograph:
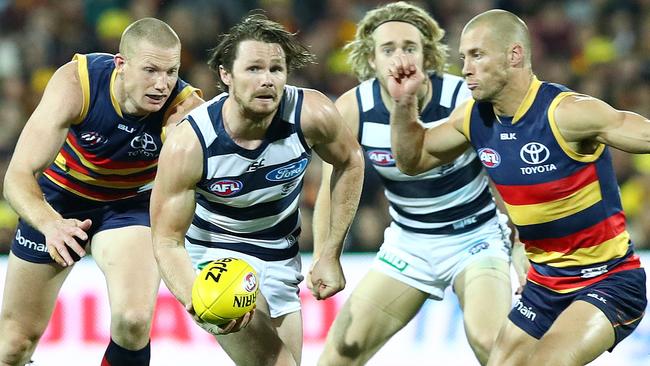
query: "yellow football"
225, 289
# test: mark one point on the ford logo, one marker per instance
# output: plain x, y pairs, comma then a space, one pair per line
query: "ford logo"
287, 172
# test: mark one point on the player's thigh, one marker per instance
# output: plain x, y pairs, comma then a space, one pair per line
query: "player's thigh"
486, 278
259, 343
289, 329
580, 334
125, 256
377, 308
512, 347
29, 296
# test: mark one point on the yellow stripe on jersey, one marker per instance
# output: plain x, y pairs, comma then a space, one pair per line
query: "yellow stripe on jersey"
114, 102
466, 120
98, 181
565, 291
528, 100
613, 248
100, 170
585, 158
554, 210
70, 189
84, 79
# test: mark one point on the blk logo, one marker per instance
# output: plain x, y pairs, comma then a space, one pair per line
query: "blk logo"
534, 153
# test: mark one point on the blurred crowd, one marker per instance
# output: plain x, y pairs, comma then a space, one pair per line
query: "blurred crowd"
597, 47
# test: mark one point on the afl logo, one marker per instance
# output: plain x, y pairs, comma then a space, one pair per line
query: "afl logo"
287, 172
489, 157
534, 153
250, 282
381, 157
93, 138
226, 187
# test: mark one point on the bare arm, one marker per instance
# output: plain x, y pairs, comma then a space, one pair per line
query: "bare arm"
38, 145
347, 106
416, 148
172, 208
180, 167
582, 119
335, 144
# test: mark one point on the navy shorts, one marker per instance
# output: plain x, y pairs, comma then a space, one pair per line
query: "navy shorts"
29, 244
621, 297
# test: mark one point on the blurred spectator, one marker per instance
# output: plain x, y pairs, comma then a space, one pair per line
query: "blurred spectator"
599, 47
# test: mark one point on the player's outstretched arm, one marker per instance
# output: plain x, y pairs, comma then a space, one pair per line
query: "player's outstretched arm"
346, 105
582, 118
416, 148
38, 145
335, 144
180, 167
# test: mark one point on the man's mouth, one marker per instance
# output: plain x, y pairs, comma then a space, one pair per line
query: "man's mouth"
156, 97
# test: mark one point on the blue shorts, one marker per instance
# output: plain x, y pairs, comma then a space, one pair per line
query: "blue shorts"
29, 244
621, 297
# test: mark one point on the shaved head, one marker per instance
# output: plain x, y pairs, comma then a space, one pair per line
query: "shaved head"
154, 31
504, 30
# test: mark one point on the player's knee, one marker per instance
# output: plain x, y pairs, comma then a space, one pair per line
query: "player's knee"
339, 352
17, 344
131, 328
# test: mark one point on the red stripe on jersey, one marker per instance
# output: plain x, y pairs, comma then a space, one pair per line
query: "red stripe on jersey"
107, 162
136, 177
575, 282
88, 192
549, 191
586, 238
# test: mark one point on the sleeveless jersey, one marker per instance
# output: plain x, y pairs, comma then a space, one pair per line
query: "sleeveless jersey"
449, 199
109, 156
248, 200
566, 205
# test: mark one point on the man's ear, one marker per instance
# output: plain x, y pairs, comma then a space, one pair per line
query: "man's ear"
119, 61
516, 55
224, 75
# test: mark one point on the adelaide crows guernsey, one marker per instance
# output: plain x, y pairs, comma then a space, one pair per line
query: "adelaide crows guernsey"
449, 199
248, 200
566, 205
108, 155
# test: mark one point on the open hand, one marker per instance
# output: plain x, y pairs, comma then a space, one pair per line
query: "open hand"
62, 235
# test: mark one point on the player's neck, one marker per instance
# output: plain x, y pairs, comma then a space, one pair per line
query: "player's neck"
513, 94
127, 105
245, 130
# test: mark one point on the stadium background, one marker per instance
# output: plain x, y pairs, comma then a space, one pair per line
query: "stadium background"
599, 47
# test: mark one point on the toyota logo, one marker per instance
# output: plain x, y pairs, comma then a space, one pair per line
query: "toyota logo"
144, 142
534, 153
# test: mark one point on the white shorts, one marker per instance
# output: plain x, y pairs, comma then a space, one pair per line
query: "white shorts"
431, 263
279, 280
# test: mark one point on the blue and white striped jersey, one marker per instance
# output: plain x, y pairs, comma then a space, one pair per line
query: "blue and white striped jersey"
448, 199
247, 200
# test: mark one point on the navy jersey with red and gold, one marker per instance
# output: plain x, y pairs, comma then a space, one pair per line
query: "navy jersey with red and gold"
566, 205
108, 155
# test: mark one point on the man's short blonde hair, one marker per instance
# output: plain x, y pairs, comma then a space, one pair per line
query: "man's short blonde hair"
362, 48
152, 30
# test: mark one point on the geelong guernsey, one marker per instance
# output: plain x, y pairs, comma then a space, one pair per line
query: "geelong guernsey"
449, 199
248, 200
566, 205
